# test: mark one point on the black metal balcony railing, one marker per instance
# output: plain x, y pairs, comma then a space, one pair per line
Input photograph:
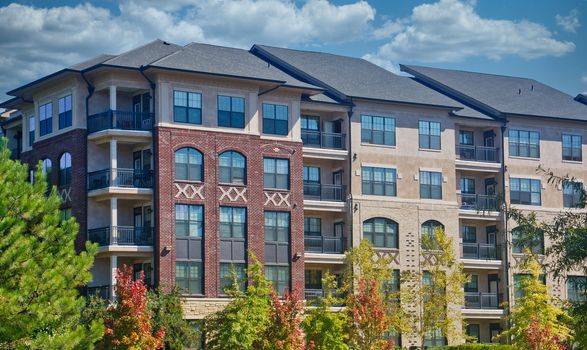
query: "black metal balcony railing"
124, 120
121, 235
320, 139
101, 291
476, 300
324, 244
313, 294
478, 202
323, 192
480, 251
123, 178
478, 153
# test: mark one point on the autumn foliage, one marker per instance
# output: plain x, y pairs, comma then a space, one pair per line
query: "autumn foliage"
128, 321
541, 337
284, 330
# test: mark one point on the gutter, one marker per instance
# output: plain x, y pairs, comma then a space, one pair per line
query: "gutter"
506, 267
269, 90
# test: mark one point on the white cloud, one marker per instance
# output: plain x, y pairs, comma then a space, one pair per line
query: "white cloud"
53, 38
451, 30
584, 78
569, 23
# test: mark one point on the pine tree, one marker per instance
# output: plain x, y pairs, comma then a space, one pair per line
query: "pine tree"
40, 271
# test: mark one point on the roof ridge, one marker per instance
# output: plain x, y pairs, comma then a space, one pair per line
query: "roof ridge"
139, 48
314, 52
468, 71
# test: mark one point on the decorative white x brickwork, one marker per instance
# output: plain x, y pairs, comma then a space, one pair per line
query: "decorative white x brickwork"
278, 199
233, 193
430, 257
65, 193
189, 191
519, 258
394, 254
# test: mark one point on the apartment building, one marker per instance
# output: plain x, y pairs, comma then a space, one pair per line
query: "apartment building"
185, 161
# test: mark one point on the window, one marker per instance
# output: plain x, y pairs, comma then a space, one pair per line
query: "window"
572, 147
231, 111
189, 231
229, 272
65, 169
467, 185
522, 241
187, 107
233, 232
381, 232
232, 168
573, 195
525, 191
31, 130
378, 181
275, 119
434, 338
65, 113
378, 130
524, 143
429, 134
519, 283
277, 255
428, 229
577, 288
313, 279
47, 167
394, 283
430, 185
311, 177
472, 286
469, 234
233, 222
312, 226
473, 332
189, 165
65, 213
46, 119
276, 173
466, 138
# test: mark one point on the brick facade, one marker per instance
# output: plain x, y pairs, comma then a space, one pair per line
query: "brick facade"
211, 195
75, 197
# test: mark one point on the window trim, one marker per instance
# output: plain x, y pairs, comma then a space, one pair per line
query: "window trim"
429, 136
231, 112
65, 118
275, 174
392, 237
393, 132
187, 107
516, 144
46, 123
231, 167
430, 186
274, 119
580, 149
175, 163
371, 182
519, 191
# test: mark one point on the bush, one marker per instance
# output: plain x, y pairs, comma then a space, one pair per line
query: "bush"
477, 347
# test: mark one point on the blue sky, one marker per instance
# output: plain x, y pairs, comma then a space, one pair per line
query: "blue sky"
542, 39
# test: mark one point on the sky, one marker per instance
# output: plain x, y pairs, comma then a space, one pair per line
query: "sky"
541, 39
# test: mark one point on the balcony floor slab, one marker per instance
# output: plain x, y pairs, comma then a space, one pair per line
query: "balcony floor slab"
322, 258
121, 193
339, 207
482, 264
486, 314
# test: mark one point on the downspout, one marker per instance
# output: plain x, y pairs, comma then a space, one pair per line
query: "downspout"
91, 90
350, 171
505, 221
155, 152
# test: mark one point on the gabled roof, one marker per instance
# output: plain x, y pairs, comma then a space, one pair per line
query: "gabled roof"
501, 95
348, 77
143, 55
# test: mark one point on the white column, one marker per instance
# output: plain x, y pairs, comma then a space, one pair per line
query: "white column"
113, 220
113, 97
113, 268
113, 161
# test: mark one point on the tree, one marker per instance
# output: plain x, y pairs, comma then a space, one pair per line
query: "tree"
40, 271
325, 328
128, 321
167, 314
536, 321
284, 331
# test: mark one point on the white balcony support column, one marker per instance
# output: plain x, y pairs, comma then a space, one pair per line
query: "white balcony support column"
113, 161
113, 97
113, 220
113, 268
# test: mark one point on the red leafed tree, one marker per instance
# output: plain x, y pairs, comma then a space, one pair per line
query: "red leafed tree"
284, 331
541, 337
368, 320
128, 321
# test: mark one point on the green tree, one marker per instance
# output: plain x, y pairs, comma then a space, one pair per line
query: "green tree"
167, 314
324, 327
536, 322
40, 270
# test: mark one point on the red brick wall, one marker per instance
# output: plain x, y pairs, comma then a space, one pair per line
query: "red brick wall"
211, 144
74, 142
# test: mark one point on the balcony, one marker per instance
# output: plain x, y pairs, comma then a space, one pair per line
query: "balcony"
103, 292
121, 235
324, 192
477, 158
480, 251
477, 300
478, 202
324, 244
129, 178
319, 139
120, 120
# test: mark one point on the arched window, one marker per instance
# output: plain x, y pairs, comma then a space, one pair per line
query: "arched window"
47, 166
428, 229
189, 165
65, 169
381, 232
232, 168
522, 240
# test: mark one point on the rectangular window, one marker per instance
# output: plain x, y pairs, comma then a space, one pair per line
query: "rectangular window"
31, 130
429, 134
573, 195
472, 286
378, 181
469, 234
310, 123
524, 143
230, 273
518, 278
189, 220
378, 130
525, 191
233, 232
233, 222
430, 185
312, 226
577, 288
572, 147
520, 242
276, 173
189, 248
187, 107
65, 113
473, 331
275, 119
188, 277
46, 119
277, 250
231, 111
313, 279
467, 185
466, 138
65, 213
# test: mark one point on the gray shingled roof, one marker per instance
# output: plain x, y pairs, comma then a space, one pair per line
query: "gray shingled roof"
508, 95
354, 77
225, 61
469, 112
144, 55
91, 62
